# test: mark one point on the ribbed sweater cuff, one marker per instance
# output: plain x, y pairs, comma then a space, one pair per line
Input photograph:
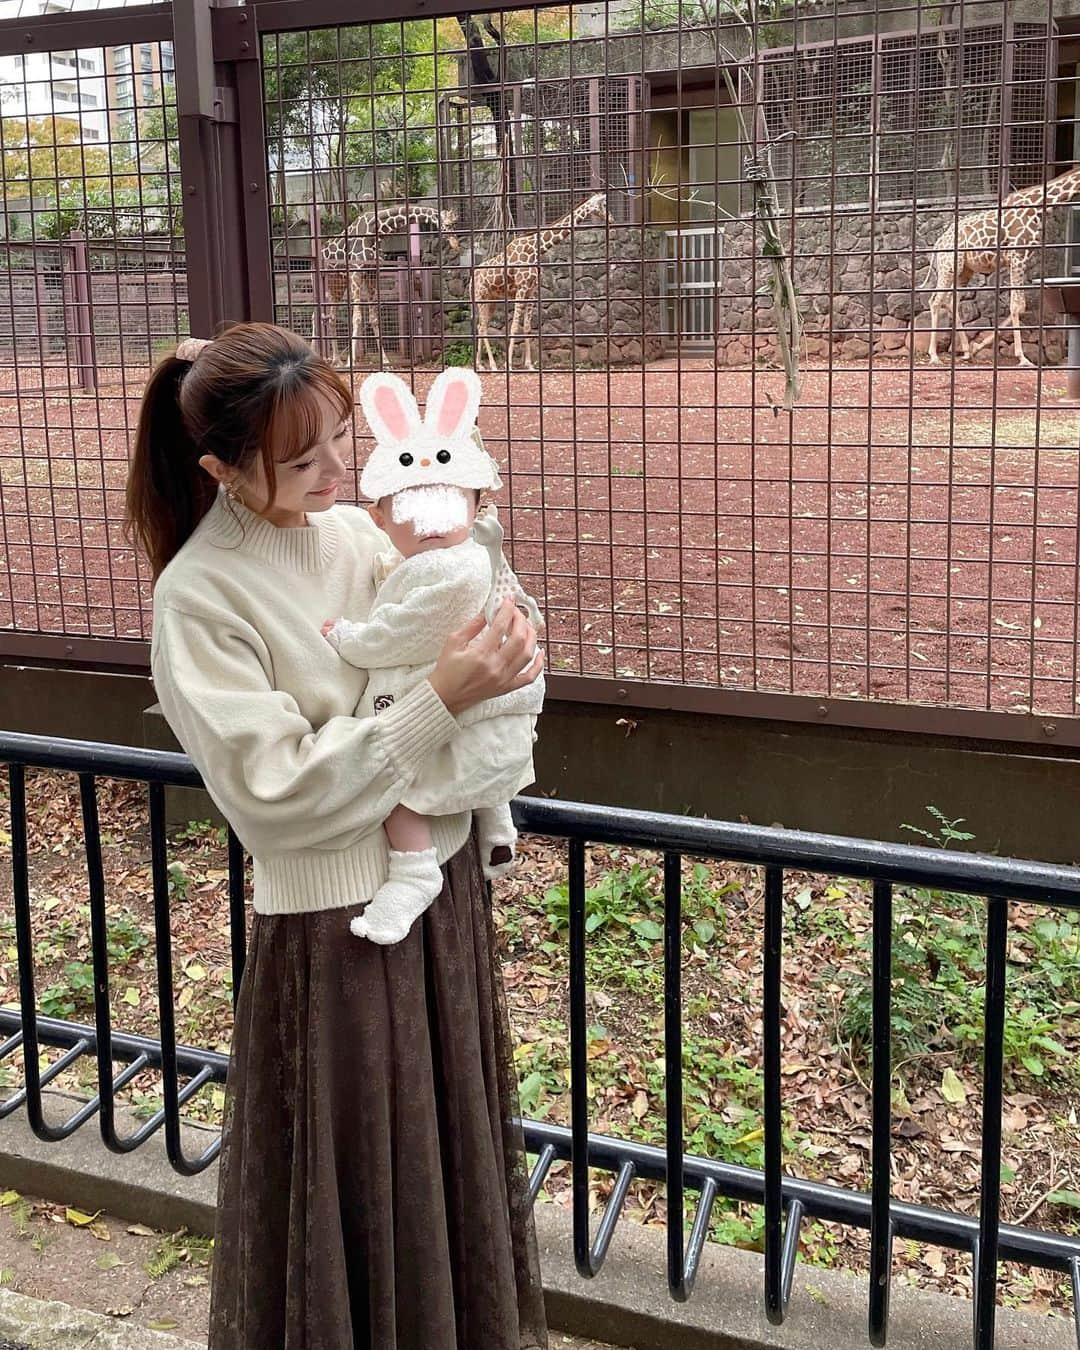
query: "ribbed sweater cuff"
414, 727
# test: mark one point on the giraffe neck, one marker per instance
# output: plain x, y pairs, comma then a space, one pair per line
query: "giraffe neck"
393, 219
551, 235
1064, 188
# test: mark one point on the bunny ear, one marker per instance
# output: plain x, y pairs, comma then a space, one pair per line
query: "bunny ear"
453, 402
496, 482
390, 408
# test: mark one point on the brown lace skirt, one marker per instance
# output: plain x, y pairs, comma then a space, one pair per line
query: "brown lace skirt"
372, 1187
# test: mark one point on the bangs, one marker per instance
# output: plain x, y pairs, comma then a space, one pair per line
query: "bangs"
297, 417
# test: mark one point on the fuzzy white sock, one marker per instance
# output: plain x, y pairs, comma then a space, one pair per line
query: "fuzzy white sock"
413, 881
495, 828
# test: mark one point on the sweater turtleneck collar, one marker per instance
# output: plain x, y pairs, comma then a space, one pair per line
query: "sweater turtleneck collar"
302, 548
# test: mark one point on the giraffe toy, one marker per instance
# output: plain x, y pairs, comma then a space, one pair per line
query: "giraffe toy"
350, 265
987, 241
514, 275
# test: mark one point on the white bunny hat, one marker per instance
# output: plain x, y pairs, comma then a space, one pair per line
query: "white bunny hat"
444, 449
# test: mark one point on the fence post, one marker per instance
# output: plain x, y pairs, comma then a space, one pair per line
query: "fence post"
318, 317
223, 164
83, 331
418, 321
404, 308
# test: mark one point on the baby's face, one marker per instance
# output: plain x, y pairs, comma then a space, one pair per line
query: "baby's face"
421, 519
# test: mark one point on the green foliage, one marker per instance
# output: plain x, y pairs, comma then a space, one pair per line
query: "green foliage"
946, 832
124, 938
202, 832
360, 95
1029, 1040
458, 353
543, 1067
939, 977
178, 881
130, 187
616, 902
145, 1105
74, 993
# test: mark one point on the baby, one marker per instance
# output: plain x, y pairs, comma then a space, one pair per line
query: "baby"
425, 480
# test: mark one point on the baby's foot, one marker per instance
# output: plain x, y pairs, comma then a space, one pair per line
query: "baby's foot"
498, 841
413, 881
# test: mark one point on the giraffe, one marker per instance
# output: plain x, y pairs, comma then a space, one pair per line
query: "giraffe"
350, 263
983, 242
514, 275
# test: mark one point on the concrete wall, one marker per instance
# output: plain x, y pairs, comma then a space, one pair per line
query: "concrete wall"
1018, 800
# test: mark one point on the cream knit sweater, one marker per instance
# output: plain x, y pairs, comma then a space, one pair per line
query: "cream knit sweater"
423, 600
265, 707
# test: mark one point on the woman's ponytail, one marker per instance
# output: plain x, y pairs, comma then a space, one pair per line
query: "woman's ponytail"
167, 492
256, 393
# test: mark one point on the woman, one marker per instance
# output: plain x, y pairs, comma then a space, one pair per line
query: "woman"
372, 1187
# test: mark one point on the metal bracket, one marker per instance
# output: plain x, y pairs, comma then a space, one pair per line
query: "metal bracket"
225, 105
235, 32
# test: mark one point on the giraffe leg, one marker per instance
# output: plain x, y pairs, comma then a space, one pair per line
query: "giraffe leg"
492, 363
526, 323
960, 332
373, 322
478, 326
356, 326
515, 326
1018, 303
485, 320
935, 310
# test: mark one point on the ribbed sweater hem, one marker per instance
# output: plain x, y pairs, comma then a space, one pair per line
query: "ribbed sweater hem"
300, 883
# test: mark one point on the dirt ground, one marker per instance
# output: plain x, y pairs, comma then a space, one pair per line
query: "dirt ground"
127, 1271
910, 533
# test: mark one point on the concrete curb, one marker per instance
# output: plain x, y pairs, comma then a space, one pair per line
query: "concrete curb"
627, 1304
32, 1324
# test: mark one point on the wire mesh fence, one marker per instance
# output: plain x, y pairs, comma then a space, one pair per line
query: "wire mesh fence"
92, 294
564, 196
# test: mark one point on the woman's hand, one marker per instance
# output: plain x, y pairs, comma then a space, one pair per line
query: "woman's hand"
471, 669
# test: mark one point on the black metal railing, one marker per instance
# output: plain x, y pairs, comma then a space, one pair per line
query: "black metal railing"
787, 1201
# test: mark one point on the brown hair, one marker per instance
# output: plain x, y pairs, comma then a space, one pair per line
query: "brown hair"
256, 390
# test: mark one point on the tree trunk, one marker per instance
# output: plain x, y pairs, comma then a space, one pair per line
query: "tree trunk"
486, 89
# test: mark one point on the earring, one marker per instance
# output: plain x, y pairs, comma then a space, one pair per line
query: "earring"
232, 492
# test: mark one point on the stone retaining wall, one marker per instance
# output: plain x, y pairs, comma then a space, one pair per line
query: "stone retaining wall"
860, 286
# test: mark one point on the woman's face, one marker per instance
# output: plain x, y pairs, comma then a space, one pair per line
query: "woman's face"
309, 483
